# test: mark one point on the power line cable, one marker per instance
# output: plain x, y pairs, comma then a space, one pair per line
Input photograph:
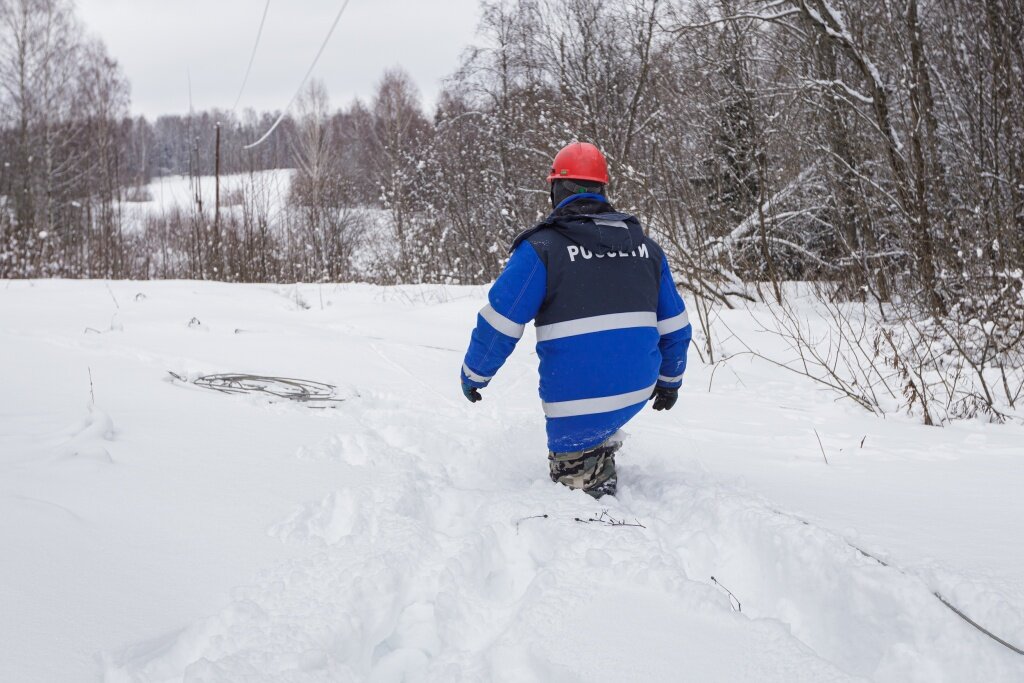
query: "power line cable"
252, 57
302, 85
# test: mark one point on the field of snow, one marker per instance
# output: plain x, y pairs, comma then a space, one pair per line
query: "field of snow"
265, 190
156, 531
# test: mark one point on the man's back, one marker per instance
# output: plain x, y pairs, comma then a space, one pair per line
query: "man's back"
597, 326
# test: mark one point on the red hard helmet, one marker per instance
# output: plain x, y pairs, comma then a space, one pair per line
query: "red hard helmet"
580, 161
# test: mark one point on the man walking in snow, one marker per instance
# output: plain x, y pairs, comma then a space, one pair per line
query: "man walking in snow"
612, 331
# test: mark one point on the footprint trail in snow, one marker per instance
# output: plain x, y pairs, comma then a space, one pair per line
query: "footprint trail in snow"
440, 571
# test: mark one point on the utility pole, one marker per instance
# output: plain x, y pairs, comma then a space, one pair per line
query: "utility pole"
218, 263
216, 171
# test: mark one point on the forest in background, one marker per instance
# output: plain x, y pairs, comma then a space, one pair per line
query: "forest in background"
874, 148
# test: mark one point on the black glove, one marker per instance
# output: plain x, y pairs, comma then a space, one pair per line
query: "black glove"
471, 393
664, 398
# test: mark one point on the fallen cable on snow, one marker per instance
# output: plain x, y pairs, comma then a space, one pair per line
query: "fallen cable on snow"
947, 603
953, 608
976, 625
733, 600
300, 390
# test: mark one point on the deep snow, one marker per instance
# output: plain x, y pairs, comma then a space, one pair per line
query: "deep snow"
170, 533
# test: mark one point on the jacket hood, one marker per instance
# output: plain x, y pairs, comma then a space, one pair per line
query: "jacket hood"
593, 225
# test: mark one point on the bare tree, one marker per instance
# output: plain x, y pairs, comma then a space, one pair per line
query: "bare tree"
319, 190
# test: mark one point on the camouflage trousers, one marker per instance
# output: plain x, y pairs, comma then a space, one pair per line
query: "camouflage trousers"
592, 470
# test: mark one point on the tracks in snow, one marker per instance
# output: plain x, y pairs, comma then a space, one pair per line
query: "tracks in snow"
418, 570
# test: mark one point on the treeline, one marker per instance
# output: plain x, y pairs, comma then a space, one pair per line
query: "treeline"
879, 145
875, 144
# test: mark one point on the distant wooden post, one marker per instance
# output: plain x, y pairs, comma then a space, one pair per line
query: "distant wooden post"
216, 209
218, 260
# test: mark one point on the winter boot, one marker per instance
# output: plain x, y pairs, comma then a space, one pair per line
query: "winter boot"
592, 470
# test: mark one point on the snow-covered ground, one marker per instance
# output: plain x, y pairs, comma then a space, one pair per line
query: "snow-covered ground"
266, 191
154, 531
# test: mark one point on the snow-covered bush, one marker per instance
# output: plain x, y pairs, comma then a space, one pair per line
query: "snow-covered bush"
887, 358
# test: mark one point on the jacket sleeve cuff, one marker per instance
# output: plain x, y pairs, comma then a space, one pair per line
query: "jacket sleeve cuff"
670, 382
473, 379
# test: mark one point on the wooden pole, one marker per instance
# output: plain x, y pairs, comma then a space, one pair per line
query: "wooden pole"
218, 262
216, 210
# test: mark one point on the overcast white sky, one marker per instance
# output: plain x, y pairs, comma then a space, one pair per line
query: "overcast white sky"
158, 41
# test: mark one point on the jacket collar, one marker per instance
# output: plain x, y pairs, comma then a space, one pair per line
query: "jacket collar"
582, 195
